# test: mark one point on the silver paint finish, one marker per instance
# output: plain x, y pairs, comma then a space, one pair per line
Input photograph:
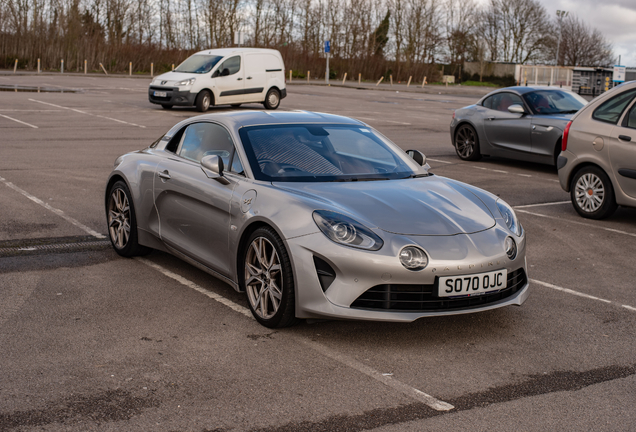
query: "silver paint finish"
204, 222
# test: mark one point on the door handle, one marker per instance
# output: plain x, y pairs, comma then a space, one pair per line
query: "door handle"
239, 79
164, 175
624, 138
490, 118
249, 77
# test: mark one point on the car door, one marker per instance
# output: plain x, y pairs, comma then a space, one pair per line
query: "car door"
503, 129
229, 80
622, 152
194, 209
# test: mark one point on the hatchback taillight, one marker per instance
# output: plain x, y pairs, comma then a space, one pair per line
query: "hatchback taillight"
566, 132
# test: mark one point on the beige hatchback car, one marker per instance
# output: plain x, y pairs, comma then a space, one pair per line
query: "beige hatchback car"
597, 164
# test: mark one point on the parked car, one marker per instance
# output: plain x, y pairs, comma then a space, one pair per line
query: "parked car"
228, 76
598, 163
524, 123
317, 216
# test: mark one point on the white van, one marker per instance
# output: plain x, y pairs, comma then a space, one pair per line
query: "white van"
228, 76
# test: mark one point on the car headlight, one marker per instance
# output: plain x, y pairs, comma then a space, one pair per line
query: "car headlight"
343, 230
187, 82
509, 216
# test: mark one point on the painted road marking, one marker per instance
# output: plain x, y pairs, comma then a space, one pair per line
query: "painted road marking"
387, 380
440, 161
542, 204
580, 294
58, 212
19, 121
577, 223
87, 113
389, 121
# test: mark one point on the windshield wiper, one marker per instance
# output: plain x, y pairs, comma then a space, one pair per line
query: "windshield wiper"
568, 112
359, 179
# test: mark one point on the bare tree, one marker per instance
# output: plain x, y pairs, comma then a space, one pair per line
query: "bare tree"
582, 45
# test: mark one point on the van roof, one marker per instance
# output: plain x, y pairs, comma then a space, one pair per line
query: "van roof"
227, 51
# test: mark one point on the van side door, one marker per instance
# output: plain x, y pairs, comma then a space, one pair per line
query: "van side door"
258, 69
229, 80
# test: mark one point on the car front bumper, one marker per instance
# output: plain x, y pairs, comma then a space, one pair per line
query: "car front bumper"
173, 96
357, 271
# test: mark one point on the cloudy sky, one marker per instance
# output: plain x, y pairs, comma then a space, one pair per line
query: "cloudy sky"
616, 19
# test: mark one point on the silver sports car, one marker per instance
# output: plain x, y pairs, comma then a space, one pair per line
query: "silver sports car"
316, 216
524, 123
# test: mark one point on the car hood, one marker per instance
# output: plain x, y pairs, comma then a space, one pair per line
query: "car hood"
420, 206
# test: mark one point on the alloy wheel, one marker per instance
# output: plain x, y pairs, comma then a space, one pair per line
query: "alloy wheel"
263, 278
465, 142
119, 218
589, 192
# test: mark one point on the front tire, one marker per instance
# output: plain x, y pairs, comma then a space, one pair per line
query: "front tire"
268, 279
122, 222
272, 100
592, 193
166, 106
467, 143
203, 101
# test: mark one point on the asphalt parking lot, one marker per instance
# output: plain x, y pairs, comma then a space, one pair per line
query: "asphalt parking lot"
93, 341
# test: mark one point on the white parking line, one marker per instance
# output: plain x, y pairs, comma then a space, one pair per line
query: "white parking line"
387, 380
58, 212
440, 161
19, 121
577, 223
389, 121
580, 294
542, 204
87, 113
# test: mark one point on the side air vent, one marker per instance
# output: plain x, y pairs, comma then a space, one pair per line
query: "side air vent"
326, 274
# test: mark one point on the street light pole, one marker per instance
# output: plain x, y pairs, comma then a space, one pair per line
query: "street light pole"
560, 15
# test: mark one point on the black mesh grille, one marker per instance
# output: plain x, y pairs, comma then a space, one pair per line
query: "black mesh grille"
423, 298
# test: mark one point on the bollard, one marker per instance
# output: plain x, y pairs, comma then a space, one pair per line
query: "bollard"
290, 75
85, 67
15, 66
152, 70
104, 69
409, 83
423, 82
344, 79
308, 73
359, 78
172, 66
62, 68
391, 78
38, 65
378, 83
130, 69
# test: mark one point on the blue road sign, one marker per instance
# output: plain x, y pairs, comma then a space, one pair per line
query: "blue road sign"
327, 46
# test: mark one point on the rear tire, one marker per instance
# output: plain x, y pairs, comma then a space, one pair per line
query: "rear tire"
467, 143
592, 193
272, 99
268, 279
122, 222
166, 106
203, 101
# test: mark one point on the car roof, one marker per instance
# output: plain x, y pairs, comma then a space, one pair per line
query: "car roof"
227, 51
237, 119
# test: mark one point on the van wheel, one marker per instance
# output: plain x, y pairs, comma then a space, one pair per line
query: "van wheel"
204, 98
166, 106
272, 100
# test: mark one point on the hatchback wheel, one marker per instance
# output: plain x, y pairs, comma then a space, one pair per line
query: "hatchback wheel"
203, 101
272, 100
122, 223
467, 143
592, 193
268, 279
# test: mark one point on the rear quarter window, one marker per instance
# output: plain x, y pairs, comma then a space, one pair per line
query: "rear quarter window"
610, 111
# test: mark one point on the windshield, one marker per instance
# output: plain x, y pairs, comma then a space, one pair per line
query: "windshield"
554, 102
198, 64
319, 153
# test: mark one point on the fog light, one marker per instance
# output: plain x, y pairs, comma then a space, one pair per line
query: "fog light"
511, 248
413, 258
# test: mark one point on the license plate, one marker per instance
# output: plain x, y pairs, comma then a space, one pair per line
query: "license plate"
160, 94
474, 284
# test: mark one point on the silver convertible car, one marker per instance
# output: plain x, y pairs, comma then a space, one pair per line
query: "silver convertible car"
316, 216
524, 123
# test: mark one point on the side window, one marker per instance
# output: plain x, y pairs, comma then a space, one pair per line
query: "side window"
229, 66
488, 102
203, 139
610, 111
630, 119
501, 101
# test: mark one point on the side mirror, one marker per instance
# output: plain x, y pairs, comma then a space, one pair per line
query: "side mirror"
212, 166
417, 156
516, 109
226, 72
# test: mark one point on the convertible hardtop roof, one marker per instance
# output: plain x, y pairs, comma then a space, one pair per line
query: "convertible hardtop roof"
238, 119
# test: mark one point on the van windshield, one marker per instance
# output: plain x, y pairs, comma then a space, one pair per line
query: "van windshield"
198, 64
